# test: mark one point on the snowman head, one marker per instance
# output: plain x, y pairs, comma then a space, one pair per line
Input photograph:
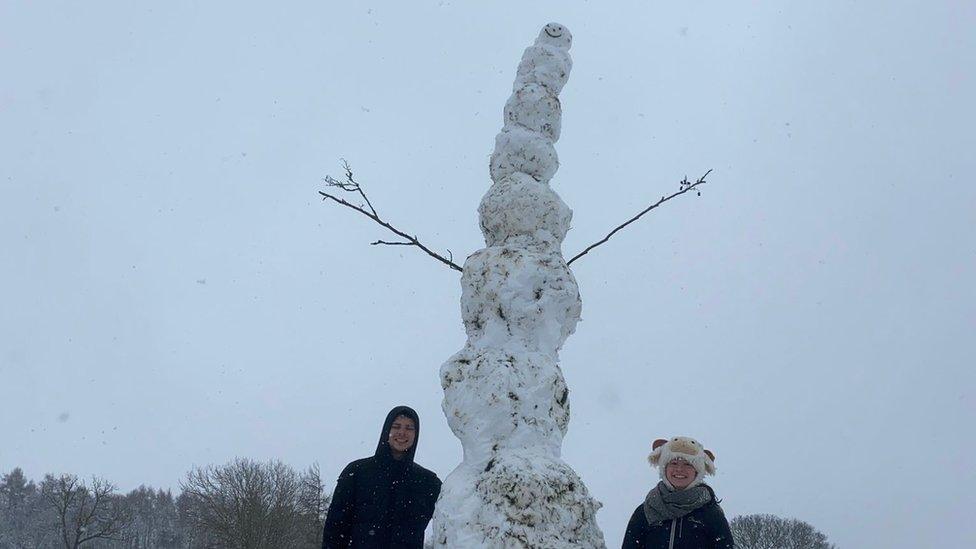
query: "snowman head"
555, 34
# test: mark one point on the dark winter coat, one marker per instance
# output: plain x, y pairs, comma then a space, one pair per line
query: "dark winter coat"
380, 502
703, 528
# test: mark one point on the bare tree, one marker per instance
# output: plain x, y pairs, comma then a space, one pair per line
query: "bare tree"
349, 185
84, 513
154, 521
772, 532
244, 505
313, 504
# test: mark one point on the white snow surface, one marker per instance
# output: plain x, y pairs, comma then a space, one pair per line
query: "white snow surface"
521, 150
505, 397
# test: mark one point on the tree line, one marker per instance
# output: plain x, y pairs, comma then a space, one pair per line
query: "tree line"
765, 531
242, 504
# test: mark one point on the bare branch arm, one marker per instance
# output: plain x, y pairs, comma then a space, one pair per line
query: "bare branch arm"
385, 243
350, 185
685, 187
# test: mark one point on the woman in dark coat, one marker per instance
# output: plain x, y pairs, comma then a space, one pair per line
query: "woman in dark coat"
384, 501
681, 511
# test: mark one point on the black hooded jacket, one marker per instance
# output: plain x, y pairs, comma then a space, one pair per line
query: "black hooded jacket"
703, 528
380, 502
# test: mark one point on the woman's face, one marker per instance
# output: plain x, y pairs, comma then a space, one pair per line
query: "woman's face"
680, 473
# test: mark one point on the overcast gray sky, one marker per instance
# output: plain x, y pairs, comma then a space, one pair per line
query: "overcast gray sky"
174, 293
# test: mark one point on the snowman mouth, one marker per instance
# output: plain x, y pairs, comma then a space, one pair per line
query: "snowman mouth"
550, 33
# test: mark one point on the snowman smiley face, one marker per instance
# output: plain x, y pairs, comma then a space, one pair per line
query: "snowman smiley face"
555, 34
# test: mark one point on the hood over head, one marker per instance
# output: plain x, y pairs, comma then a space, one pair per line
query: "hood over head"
383, 448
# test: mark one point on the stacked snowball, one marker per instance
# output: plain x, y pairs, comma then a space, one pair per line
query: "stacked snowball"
504, 394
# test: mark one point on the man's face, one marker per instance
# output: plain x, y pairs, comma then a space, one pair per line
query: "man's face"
403, 432
680, 473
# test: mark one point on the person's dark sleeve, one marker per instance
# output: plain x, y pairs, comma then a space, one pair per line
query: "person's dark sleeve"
635, 534
433, 490
338, 523
719, 527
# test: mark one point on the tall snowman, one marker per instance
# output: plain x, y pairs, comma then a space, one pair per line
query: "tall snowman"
504, 394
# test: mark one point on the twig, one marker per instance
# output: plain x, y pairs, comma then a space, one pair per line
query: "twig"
350, 185
684, 187
345, 166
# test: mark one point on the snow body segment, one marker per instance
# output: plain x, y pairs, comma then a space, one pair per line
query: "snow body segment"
505, 397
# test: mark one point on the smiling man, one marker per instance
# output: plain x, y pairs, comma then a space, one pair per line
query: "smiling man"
384, 501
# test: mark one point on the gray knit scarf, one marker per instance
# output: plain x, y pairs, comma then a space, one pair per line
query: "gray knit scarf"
663, 503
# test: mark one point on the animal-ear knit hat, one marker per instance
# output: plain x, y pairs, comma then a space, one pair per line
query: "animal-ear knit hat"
688, 449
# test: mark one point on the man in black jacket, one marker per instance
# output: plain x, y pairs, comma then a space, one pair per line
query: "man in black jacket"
384, 501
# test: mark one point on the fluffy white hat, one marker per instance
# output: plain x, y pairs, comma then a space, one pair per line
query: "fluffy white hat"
688, 449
